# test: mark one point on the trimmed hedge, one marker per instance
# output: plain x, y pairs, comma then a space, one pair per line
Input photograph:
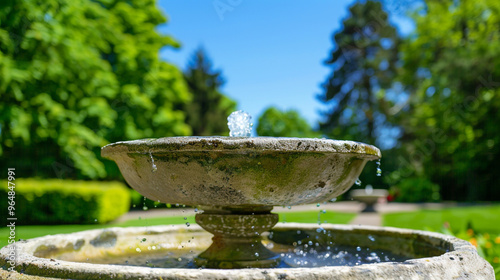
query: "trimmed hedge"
65, 201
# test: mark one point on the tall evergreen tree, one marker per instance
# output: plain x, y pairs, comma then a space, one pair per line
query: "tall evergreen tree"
208, 111
363, 62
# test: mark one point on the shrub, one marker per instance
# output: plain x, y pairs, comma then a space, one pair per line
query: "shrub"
65, 201
416, 190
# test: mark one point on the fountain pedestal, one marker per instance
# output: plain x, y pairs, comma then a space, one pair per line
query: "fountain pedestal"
237, 241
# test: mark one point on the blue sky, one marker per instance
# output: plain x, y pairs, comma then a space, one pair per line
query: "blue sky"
271, 53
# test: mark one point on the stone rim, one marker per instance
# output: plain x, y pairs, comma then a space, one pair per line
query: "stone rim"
241, 145
459, 250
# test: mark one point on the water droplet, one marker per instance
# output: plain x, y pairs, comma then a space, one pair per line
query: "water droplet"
188, 224
289, 207
179, 259
195, 210
185, 218
318, 205
379, 170
144, 208
153, 165
239, 123
371, 237
358, 249
143, 240
138, 250
358, 182
95, 220
324, 211
256, 254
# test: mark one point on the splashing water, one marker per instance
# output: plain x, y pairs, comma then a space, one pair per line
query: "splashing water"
358, 182
239, 123
379, 170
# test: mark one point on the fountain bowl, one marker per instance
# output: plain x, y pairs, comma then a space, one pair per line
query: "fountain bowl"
67, 256
247, 172
368, 198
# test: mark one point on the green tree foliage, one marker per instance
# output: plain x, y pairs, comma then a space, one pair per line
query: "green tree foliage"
274, 122
363, 63
77, 74
208, 111
451, 125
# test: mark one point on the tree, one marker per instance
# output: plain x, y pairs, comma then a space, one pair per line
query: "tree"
363, 63
208, 111
452, 69
76, 75
274, 122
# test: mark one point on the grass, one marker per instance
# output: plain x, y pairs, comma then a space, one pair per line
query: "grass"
478, 225
27, 232
479, 218
314, 216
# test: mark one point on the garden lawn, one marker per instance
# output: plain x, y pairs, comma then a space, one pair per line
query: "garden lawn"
479, 218
26, 232
316, 216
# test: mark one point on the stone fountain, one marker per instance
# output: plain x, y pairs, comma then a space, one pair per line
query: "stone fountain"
369, 196
236, 181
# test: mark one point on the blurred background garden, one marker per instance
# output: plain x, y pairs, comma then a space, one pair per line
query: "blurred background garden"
419, 79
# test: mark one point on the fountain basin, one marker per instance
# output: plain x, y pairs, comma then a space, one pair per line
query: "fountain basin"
429, 255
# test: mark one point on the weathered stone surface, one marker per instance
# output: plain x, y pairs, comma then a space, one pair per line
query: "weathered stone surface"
240, 172
440, 256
